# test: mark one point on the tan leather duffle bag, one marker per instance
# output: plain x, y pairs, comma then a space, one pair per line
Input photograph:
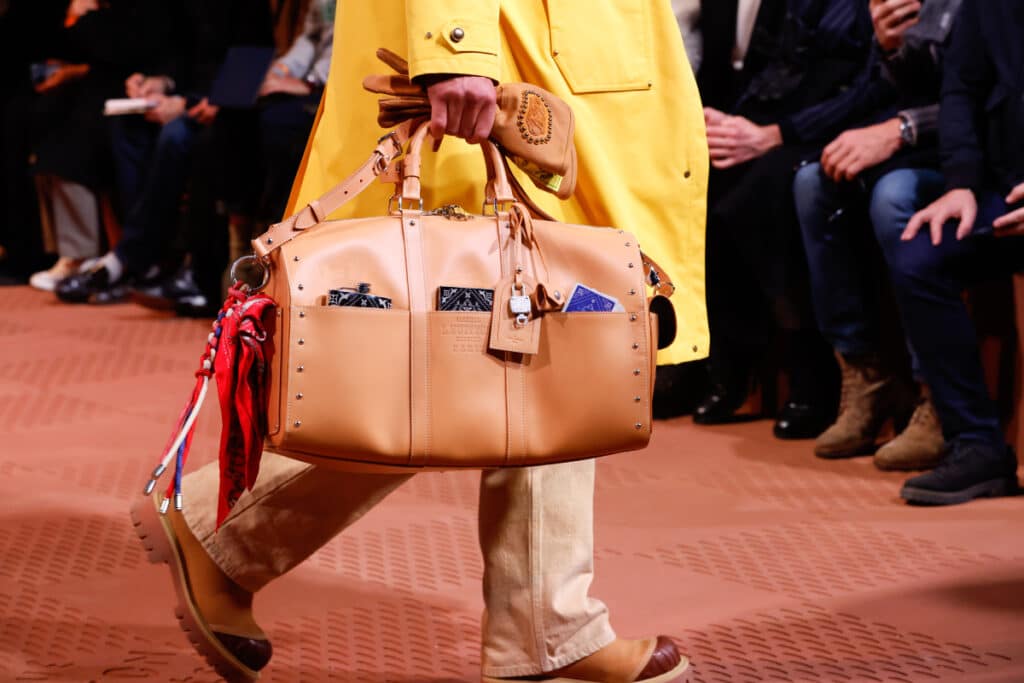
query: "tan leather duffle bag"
412, 386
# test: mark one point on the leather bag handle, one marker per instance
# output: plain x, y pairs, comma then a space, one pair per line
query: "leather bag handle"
498, 188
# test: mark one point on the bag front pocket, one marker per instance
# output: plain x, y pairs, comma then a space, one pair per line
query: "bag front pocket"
588, 388
347, 384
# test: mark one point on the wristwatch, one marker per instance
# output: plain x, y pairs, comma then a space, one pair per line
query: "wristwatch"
908, 131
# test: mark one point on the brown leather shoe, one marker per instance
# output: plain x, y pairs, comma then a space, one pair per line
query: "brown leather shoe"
659, 662
238, 659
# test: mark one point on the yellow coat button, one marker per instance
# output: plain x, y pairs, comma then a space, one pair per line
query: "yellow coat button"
457, 34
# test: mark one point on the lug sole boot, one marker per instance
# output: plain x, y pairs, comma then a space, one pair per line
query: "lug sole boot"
968, 471
238, 658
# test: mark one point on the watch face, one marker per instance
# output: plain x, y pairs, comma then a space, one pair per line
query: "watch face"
906, 132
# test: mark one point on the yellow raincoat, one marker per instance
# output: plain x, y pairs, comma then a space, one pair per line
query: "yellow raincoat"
621, 66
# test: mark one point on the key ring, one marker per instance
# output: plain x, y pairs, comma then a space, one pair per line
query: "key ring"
243, 274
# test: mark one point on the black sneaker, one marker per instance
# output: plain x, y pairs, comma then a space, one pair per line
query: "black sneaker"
971, 469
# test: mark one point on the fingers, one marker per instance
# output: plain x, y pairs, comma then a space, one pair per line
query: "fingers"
1009, 220
721, 142
1016, 194
935, 228
725, 162
438, 121
891, 12
471, 111
837, 161
852, 168
713, 116
968, 215
133, 85
464, 106
901, 28
454, 107
915, 223
484, 123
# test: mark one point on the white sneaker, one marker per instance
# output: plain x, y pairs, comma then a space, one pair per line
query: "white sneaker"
47, 280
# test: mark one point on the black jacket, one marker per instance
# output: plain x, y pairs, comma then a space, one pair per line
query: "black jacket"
204, 32
804, 58
981, 118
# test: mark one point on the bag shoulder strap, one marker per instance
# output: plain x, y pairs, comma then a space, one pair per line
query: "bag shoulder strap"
389, 148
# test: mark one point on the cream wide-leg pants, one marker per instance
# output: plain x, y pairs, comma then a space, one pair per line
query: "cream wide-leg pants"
536, 536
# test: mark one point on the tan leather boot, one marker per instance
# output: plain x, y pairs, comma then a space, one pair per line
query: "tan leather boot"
870, 396
920, 446
213, 611
652, 660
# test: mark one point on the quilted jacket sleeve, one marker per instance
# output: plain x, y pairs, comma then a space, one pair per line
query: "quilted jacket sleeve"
453, 37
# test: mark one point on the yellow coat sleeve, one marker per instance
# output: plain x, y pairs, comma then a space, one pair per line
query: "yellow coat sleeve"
453, 36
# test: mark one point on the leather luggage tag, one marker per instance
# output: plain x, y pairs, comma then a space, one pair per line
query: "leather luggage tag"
507, 331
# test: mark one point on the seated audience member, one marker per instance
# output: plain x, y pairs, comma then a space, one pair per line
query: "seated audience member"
153, 154
266, 144
973, 231
688, 17
858, 173
68, 134
799, 81
21, 244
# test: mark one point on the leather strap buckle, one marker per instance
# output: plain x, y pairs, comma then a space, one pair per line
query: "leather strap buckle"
383, 159
393, 199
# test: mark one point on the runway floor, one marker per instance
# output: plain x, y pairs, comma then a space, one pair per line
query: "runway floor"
764, 563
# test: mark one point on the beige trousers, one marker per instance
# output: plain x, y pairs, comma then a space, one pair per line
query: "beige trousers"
536, 535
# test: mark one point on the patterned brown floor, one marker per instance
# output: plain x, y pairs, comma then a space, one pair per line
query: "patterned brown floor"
764, 563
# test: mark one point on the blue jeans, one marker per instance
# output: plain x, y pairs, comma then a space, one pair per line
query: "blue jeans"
843, 286
152, 168
928, 282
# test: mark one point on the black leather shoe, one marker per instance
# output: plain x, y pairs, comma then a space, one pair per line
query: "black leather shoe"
802, 421
93, 287
197, 306
678, 389
971, 469
164, 294
720, 406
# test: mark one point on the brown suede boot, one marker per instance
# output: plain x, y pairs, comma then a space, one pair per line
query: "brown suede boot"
213, 611
870, 396
920, 446
652, 660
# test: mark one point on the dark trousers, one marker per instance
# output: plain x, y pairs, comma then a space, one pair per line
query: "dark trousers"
756, 271
285, 125
928, 282
262, 149
152, 168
